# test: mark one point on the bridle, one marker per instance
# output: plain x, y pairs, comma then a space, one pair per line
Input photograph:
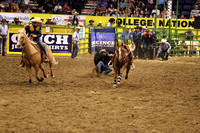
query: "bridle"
22, 42
119, 56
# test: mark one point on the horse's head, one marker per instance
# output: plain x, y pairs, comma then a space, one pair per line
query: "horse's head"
20, 38
121, 52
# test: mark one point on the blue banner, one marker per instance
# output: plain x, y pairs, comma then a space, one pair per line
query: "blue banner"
102, 39
56, 42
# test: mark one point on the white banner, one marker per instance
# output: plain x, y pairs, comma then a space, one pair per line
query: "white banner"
63, 20
10, 17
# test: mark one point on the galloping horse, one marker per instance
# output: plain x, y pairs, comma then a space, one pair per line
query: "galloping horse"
32, 56
120, 63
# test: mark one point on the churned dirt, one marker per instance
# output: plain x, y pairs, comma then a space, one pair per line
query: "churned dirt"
158, 97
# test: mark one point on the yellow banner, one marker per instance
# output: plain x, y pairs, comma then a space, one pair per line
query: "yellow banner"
133, 22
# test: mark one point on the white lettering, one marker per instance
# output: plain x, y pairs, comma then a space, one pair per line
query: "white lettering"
63, 38
47, 40
14, 38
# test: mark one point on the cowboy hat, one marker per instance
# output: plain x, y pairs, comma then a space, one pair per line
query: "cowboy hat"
163, 41
144, 27
76, 13
37, 20
132, 47
91, 20
49, 18
80, 25
78, 28
2, 6
3, 19
100, 22
69, 23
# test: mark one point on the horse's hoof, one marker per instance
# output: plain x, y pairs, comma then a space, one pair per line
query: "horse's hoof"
53, 76
40, 79
126, 77
46, 76
115, 86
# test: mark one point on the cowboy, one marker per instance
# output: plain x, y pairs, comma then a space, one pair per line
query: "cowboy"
165, 47
110, 23
125, 36
147, 42
101, 60
91, 23
75, 41
4, 33
16, 20
33, 31
49, 22
100, 24
69, 24
190, 34
136, 39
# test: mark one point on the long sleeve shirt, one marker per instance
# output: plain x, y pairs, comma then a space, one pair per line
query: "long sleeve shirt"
76, 37
136, 36
4, 30
165, 46
126, 34
32, 29
147, 39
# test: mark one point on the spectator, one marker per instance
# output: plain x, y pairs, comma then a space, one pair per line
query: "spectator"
195, 12
111, 8
165, 47
54, 2
69, 25
160, 15
192, 17
58, 6
189, 34
122, 4
107, 13
99, 4
147, 41
59, 11
182, 16
136, 39
105, 3
97, 13
150, 2
111, 22
101, 60
28, 10
4, 33
115, 13
141, 14
16, 19
66, 8
197, 3
122, 14
6, 4
134, 14
125, 36
48, 7
75, 41
161, 2
49, 22
91, 23
115, 4
38, 10
141, 5
75, 19
2, 8
154, 11
22, 6
100, 24
146, 13
173, 15
102, 8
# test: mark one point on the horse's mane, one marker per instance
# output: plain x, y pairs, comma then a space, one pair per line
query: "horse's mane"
23, 31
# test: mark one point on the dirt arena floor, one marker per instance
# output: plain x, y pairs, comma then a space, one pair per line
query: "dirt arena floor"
158, 97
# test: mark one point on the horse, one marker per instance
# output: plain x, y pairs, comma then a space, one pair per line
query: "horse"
121, 62
32, 56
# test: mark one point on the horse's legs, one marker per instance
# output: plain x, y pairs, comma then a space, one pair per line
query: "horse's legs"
115, 80
29, 74
36, 74
120, 72
44, 73
51, 68
119, 76
127, 70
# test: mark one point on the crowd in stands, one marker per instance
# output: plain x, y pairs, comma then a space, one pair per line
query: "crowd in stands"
136, 8
146, 8
42, 6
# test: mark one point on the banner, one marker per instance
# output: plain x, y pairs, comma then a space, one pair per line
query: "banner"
102, 40
57, 43
134, 22
64, 19
10, 17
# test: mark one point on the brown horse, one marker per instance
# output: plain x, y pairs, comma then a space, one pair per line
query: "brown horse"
121, 62
32, 56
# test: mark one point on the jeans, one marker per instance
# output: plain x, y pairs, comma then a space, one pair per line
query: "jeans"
136, 52
147, 49
105, 69
75, 49
41, 44
3, 41
162, 54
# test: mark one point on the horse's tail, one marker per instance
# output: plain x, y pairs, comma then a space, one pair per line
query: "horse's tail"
54, 61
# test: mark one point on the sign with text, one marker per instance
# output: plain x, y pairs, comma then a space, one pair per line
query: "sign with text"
102, 39
57, 43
